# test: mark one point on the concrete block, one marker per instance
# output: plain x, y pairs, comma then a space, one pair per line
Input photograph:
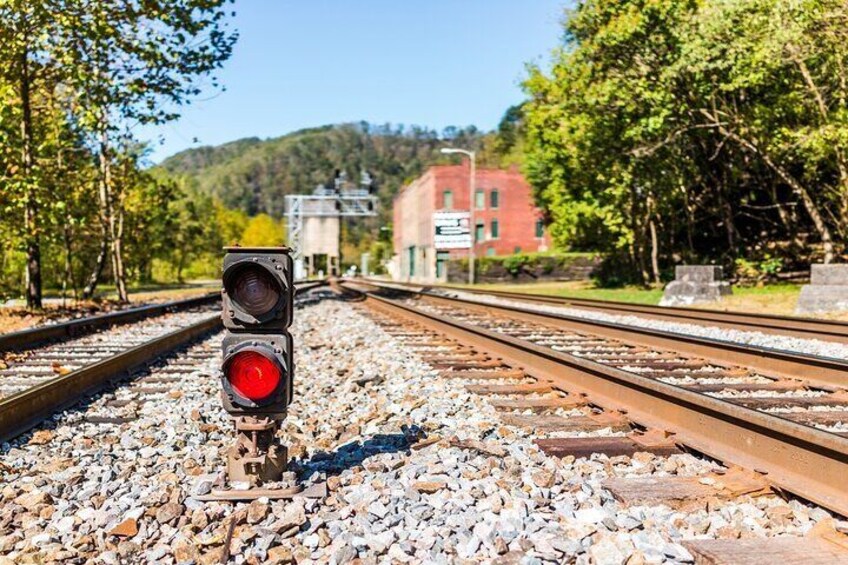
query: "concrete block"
821, 274
695, 283
698, 273
827, 291
822, 298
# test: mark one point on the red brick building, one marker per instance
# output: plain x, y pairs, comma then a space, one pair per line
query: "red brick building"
506, 221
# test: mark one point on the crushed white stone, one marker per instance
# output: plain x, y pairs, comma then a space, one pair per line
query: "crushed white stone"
65, 498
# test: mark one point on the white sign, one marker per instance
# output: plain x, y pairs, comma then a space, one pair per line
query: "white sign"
452, 230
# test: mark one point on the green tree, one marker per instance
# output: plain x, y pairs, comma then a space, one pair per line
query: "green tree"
676, 130
778, 91
135, 62
26, 26
231, 224
589, 123
263, 231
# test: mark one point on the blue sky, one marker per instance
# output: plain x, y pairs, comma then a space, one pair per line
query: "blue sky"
303, 63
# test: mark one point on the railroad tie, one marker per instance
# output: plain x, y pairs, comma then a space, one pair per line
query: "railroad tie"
609, 446
538, 404
543, 423
823, 545
680, 492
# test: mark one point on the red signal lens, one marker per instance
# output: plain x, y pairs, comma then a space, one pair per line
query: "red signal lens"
252, 375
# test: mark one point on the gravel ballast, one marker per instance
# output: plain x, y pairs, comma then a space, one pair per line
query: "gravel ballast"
123, 492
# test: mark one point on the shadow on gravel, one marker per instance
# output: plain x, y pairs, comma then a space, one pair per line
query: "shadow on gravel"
355, 453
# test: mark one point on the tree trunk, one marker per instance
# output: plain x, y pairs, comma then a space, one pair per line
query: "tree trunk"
181, 265
94, 278
68, 276
726, 214
655, 244
33, 247
788, 218
113, 223
117, 253
690, 221
638, 245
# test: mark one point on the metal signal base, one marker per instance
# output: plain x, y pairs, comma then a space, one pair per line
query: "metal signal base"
256, 457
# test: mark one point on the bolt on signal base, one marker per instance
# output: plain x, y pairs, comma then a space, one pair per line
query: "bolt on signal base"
256, 456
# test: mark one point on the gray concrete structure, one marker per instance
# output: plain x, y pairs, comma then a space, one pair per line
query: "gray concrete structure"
314, 223
695, 283
827, 291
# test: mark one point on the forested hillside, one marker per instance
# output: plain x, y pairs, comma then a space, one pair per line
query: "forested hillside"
254, 176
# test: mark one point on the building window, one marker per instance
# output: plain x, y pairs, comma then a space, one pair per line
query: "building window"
478, 231
495, 229
447, 200
540, 228
494, 199
480, 200
490, 252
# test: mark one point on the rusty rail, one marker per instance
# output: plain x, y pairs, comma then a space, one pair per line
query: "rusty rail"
796, 458
304, 286
792, 326
821, 371
22, 411
75, 328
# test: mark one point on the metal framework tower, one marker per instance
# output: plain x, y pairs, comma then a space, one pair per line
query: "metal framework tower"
341, 201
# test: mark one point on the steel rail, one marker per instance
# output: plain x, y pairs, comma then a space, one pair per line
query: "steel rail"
74, 328
35, 336
795, 458
24, 410
824, 372
304, 286
792, 326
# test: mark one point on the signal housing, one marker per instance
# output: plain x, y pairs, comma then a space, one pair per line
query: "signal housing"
258, 303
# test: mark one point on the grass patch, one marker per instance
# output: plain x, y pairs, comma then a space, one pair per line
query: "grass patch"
582, 289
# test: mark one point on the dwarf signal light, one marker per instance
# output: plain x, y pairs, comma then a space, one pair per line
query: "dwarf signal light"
257, 372
258, 299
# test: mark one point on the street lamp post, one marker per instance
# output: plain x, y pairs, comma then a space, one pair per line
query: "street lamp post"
473, 227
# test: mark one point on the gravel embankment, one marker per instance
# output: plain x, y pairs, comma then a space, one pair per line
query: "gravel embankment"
123, 492
759, 339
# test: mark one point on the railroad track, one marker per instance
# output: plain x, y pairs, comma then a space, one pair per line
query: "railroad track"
783, 419
791, 326
49, 368
32, 337
443, 470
